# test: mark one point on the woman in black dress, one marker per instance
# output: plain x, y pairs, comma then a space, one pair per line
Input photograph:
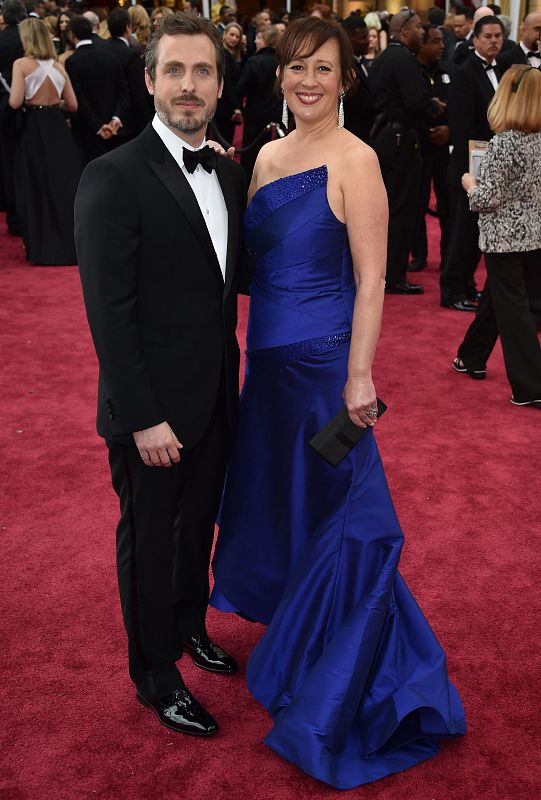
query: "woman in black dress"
47, 166
225, 118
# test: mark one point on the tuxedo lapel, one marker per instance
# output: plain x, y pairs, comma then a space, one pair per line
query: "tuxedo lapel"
167, 170
228, 190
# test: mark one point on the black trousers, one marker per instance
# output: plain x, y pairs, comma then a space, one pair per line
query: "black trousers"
8, 146
434, 171
504, 310
458, 270
164, 542
400, 162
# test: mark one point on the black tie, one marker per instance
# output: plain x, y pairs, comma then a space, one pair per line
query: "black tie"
206, 157
531, 54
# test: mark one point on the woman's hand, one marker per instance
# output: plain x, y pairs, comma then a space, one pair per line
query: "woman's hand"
360, 399
230, 153
469, 182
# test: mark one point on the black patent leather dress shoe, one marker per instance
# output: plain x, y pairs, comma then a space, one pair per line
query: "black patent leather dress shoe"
404, 287
461, 305
209, 656
416, 265
181, 712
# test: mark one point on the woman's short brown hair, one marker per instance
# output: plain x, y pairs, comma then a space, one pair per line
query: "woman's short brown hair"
304, 36
517, 102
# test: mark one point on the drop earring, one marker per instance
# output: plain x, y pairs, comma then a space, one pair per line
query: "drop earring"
341, 111
285, 115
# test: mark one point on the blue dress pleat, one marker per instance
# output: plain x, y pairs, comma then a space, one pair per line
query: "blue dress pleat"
348, 668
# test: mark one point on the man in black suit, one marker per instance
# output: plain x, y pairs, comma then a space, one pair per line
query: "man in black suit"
471, 91
95, 23
527, 50
403, 104
10, 50
101, 89
121, 46
434, 149
463, 31
158, 232
358, 104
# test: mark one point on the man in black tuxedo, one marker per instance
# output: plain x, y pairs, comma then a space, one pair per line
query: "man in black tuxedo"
358, 104
10, 50
121, 46
463, 31
95, 23
101, 89
471, 91
527, 50
158, 227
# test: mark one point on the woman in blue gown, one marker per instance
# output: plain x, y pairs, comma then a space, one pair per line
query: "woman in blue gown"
349, 668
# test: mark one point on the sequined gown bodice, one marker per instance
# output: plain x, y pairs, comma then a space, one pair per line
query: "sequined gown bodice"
303, 286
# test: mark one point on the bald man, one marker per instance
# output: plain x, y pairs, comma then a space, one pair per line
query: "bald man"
527, 50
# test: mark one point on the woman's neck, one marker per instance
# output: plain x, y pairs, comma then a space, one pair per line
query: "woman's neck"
307, 133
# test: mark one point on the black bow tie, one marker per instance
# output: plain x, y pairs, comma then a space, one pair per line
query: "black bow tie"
486, 65
531, 54
206, 157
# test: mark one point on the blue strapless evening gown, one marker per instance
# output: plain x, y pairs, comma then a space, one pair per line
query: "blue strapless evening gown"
349, 668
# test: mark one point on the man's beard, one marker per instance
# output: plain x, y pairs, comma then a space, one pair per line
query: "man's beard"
186, 125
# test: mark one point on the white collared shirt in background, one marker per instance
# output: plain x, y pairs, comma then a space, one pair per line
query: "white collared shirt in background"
533, 61
205, 187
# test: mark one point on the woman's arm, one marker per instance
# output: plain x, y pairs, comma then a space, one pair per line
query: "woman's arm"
16, 95
492, 188
366, 215
68, 95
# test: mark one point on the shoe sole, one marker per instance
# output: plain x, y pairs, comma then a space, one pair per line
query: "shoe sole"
175, 728
531, 403
476, 374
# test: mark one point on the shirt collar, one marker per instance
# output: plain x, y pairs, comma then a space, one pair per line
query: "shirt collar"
83, 41
173, 142
123, 39
493, 63
525, 49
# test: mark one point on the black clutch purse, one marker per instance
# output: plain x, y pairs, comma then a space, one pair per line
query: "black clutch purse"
340, 435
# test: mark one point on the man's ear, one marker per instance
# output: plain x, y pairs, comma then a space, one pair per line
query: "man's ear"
149, 84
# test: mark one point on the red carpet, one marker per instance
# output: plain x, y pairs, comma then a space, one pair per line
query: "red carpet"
463, 467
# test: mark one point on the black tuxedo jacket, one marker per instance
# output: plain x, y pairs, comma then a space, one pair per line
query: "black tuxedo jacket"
162, 319
470, 93
359, 111
10, 50
123, 54
511, 57
101, 90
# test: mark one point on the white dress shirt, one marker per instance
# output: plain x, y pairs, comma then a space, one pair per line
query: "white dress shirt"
533, 61
205, 187
491, 75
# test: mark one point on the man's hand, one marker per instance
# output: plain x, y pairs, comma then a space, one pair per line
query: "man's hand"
439, 106
115, 126
158, 446
105, 132
439, 135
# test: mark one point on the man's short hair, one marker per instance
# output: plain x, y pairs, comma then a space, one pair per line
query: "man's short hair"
187, 25
484, 21
464, 11
31, 5
495, 8
436, 16
427, 27
13, 12
117, 22
81, 27
225, 10
353, 23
